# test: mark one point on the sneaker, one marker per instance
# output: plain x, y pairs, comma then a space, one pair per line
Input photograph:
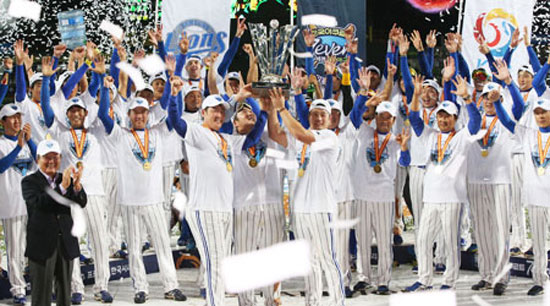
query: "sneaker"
529, 253
19, 299
444, 287
515, 251
415, 270
397, 240
86, 260
383, 290
203, 293
482, 285
104, 297
123, 246
120, 254
76, 298
362, 287
175, 294
499, 289
472, 248
140, 297
535, 290
440, 268
350, 293
418, 286
146, 246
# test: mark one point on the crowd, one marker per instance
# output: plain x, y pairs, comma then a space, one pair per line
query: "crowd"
472, 146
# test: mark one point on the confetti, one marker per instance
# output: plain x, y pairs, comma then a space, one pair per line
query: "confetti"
77, 213
112, 29
152, 64
23, 8
133, 73
320, 20
179, 203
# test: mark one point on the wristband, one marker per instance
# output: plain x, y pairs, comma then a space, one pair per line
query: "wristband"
88, 62
346, 79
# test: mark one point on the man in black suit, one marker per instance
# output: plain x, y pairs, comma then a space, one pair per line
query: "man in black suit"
50, 244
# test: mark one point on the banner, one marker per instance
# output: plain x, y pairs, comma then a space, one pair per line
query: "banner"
495, 20
329, 42
205, 22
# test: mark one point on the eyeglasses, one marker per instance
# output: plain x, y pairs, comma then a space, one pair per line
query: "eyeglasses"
479, 75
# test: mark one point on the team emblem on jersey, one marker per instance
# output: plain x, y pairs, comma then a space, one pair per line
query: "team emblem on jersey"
41, 121
402, 111
431, 121
307, 157
85, 148
261, 148
446, 156
229, 155
371, 155
536, 158
22, 164
139, 156
492, 138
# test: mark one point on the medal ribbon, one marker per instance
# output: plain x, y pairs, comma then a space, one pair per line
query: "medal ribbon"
427, 117
542, 154
303, 156
378, 150
525, 95
143, 148
111, 112
441, 152
223, 144
79, 145
404, 98
39, 107
491, 126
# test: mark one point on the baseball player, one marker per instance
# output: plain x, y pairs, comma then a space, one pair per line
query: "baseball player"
79, 145
536, 144
314, 203
16, 161
444, 185
374, 178
211, 164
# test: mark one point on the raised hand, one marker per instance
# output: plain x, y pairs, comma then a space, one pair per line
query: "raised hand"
21, 139
349, 32
364, 79
417, 41
241, 27
483, 47
352, 46
277, 98
176, 85
309, 37
170, 62
184, 43
451, 43
47, 66
403, 138
526, 36
503, 73
108, 81
78, 53
515, 39
27, 130
138, 55
418, 82
155, 35
392, 69
395, 33
90, 50
330, 65
99, 63
431, 41
28, 60
67, 175
403, 45
344, 66
373, 101
19, 51
59, 50
296, 79
449, 69
247, 48
461, 88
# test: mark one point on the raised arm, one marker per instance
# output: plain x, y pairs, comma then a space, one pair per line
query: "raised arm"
254, 136
533, 58
503, 74
346, 88
47, 72
294, 127
539, 81
20, 81
330, 67
233, 48
425, 68
104, 105
179, 124
405, 71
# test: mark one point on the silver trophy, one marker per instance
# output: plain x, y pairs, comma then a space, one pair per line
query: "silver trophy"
272, 52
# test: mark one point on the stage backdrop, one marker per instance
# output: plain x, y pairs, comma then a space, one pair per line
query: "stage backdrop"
496, 20
206, 23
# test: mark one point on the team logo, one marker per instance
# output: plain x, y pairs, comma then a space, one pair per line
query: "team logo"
260, 150
72, 148
536, 158
371, 155
330, 42
139, 156
22, 164
446, 157
496, 27
203, 38
492, 138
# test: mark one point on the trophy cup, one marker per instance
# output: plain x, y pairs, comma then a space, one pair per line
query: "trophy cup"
272, 52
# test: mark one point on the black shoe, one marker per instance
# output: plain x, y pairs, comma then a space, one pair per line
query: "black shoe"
499, 289
140, 297
362, 287
175, 295
383, 290
77, 298
397, 240
350, 293
482, 285
535, 290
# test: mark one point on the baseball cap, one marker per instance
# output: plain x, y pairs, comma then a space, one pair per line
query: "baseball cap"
213, 101
10, 110
242, 106
448, 107
543, 104
35, 78
193, 57
490, 87
147, 87
335, 105
75, 102
373, 68
48, 146
233, 75
138, 102
386, 107
526, 68
160, 76
320, 104
190, 88
433, 84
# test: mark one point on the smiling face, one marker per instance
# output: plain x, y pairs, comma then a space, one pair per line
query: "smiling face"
384, 122
147, 95
193, 68
374, 80
542, 117
244, 121
429, 96
525, 80
334, 119
445, 121
488, 106
234, 84
11, 124
193, 101
35, 91
76, 115
158, 87
214, 117
49, 163
138, 117
319, 119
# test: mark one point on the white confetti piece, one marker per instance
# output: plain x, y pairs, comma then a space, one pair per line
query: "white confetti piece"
266, 266
320, 20
300, 54
286, 164
133, 73
504, 271
274, 153
112, 29
152, 64
23, 8
343, 224
179, 203
77, 213
424, 298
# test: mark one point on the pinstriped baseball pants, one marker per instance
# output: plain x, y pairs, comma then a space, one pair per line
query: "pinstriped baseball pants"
15, 230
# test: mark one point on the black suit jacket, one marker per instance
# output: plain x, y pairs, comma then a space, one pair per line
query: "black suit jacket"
48, 219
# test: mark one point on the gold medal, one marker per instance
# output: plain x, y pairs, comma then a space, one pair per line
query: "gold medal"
300, 172
147, 166
541, 171
542, 153
253, 162
484, 153
407, 122
377, 168
229, 167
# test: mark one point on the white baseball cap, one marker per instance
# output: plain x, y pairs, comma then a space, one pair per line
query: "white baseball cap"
147, 87
335, 105
193, 57
190, 88
160, 76
233, 75
48, 146
35, 78
374, 68
138, 102
490, 87
386, 107
543, 104
526, 68
10, 110
448, 107
75, 102
433, 84
321, 104
213, 101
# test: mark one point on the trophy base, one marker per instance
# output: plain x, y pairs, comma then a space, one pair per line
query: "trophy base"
261, 89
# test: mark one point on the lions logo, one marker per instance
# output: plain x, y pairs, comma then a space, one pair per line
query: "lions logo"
536, 158
85, 148
203, 38
259, 153
492, 138
22, 164
446, 156
371, 155
139, 156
